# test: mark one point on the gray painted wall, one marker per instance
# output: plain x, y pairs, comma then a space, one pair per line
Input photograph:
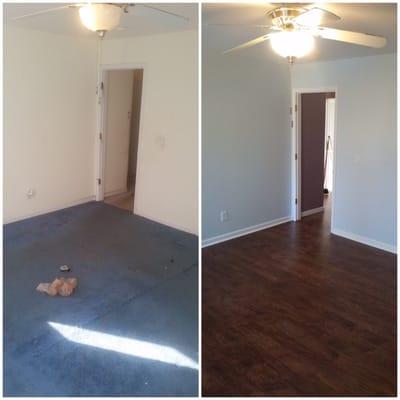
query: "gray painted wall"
365, 175
245, 142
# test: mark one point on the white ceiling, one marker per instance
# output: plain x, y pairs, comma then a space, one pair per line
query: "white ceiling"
139, 21
373, 18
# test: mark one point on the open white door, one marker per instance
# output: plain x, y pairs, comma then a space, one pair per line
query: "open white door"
118, 110
329, 143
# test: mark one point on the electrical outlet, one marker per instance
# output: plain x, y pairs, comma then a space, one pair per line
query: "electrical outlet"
224, 215
30, 193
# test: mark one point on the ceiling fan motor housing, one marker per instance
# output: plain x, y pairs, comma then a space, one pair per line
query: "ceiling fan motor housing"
282, 17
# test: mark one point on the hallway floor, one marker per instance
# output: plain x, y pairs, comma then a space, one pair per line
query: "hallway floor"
123, 201
296, 310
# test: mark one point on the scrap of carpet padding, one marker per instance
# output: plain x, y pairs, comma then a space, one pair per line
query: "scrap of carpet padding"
60, 286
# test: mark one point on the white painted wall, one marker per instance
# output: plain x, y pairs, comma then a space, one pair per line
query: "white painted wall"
119, 89
365, 175
246, 144
49, 121
167, 174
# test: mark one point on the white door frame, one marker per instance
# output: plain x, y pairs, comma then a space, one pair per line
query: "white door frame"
296, 149
101, 136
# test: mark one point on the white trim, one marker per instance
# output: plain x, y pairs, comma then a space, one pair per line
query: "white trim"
365, 240
312, 211
199, 175
101, 153
244, 231
50, 210
293, 161
296, 146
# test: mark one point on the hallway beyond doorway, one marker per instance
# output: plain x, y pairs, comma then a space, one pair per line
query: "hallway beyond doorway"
124, 201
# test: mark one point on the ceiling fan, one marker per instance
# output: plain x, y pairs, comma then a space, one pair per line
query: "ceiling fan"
295, 29
101, 17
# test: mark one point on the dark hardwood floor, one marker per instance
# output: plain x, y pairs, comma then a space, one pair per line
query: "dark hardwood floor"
295, 310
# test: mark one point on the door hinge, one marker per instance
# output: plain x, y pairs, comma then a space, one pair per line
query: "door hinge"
291, 124
101, 88
295, 107
295, 156
99, 181
295, 200
100, 136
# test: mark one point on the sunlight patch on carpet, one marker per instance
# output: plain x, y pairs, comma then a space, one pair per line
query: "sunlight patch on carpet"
133, 347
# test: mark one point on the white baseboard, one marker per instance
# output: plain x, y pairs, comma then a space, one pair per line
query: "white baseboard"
365, 240
312, 211
164, 222
244, 231
49, 210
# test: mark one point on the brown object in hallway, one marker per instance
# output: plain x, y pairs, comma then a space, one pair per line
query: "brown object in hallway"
296, 310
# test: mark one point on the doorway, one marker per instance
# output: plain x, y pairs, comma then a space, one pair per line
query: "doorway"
122, 99
314, 139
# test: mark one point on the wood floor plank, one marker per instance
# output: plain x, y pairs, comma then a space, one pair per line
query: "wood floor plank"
295, 310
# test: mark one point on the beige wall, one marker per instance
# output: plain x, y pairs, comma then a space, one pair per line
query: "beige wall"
167, 173
49, 121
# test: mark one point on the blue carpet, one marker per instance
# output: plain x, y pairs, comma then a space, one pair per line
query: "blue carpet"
137, 280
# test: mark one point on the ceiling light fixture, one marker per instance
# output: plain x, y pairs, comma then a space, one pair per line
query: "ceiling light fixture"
297, 27
100, 18
292, 44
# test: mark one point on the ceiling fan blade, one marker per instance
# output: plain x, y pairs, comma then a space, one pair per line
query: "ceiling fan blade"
248, 44
241, 25
316, 16
362, 39
163, 11
47, 10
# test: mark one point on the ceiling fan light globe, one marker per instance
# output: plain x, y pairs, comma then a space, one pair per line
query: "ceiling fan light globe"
100, 17
292, 43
